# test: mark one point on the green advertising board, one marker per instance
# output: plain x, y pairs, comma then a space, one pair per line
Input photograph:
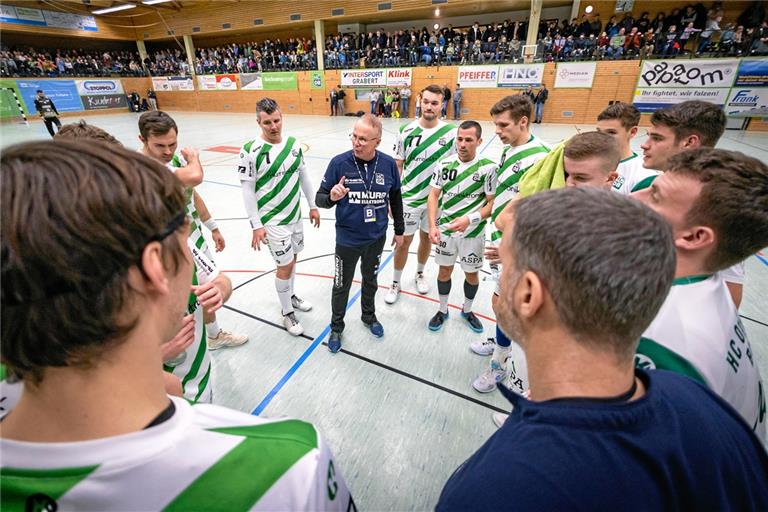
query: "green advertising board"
317, 79
8, 106
280, 81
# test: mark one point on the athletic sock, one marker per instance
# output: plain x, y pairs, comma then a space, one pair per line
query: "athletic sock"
398, 274
501, 338
212, 329
420, 268
283, 287
500, 356
443, 290
470, 290
293, 280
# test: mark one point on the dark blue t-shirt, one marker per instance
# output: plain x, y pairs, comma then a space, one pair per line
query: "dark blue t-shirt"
370, 185
679, 447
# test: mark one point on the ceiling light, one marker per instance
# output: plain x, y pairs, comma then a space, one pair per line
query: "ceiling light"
436, 26
437, 11
588, 9
123, 7
153, 2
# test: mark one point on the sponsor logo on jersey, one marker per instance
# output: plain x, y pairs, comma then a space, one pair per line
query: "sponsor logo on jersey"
472, 259
442, 141
618, 182
644, 362
477, 177
295, 153
379, 178
365, 197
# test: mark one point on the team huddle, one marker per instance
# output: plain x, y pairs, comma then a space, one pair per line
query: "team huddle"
609, 267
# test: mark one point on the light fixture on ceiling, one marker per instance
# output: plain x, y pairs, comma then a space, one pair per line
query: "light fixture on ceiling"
437, 11
588, 9
122, 7
436, 26
153, 2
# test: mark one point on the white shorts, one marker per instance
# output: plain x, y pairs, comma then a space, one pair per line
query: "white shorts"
415, 218
285, 242
469, 252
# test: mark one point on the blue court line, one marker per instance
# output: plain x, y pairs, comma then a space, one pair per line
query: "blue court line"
487, 144
765, 261
273, 392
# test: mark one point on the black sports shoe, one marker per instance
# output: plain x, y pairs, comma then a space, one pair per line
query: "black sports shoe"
473, 321
334, 342
437, 321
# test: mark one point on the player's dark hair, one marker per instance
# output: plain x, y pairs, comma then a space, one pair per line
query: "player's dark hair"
468, 125
76, 218
156, 122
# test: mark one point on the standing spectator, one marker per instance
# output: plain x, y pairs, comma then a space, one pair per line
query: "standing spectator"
538, 103
528, 93
688, 32
340, 95
446, 99
47, 110
405, 98
374, 100
334, 98
713, 25
457, 97
363, 183
418, 105
152, 98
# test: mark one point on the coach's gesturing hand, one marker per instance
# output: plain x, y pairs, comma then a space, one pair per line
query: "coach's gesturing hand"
339, 190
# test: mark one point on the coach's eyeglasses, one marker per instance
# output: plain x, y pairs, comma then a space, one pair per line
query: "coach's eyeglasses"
362, 140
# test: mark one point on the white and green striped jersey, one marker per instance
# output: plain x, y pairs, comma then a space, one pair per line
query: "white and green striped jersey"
196, 225
420, 149
274, 170
204, 457
633, 176
515, 161
698, 333
10, 391
195, 371
464, 189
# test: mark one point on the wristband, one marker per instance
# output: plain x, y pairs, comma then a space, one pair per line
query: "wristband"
211, 224
474, 218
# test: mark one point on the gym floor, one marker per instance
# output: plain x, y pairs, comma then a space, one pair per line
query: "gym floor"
398, 412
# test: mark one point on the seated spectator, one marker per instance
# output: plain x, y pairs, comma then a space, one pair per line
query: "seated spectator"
616, 48
595, 433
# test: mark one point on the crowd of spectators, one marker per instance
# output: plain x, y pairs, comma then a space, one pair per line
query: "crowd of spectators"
693, 30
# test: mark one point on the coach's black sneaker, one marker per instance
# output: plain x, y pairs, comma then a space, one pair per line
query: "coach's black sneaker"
437, 321
334, 342
473, 321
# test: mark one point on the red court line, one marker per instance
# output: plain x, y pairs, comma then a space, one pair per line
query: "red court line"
224, 149
417, 295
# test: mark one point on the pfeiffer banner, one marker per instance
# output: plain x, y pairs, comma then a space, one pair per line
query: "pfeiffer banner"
97, 86
478, 76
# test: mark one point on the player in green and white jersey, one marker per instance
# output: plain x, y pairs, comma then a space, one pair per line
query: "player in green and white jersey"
272, 175
522, 149
621, 121
94, 429
159, 136
419, 146
459, 203
689, 125
716, 202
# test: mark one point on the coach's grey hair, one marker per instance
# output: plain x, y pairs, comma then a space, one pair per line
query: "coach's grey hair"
371, 121
607, 261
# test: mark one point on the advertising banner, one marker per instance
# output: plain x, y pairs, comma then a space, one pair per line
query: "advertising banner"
206, 82
8, 106
474, 77
44, 18
688, 73
316, 79
102, 101
160, 83
62, 92
399, 77
181, 83
575, 75
753, 73
280, 81
521, 75
364, 77
251, 81
226, 82
652, 99
96, 86
747, 102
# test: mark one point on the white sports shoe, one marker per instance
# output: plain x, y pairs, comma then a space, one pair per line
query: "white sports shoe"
499, 418
392, 294
422, 286
483, 347
292, 325
225, 339
487, 380
300, 304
